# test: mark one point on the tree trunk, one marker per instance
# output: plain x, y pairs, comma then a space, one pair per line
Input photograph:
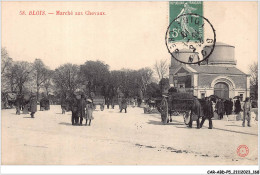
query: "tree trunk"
20, 89
38, 89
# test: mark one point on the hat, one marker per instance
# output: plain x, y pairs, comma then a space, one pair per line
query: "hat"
89, 100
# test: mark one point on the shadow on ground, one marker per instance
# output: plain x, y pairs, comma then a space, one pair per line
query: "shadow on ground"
174, 122
64, 123
238, 132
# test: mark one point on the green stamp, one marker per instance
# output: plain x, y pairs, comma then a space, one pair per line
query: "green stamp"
190, 37
186, 27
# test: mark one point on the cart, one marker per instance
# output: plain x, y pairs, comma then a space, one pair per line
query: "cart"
99, 101
180, 103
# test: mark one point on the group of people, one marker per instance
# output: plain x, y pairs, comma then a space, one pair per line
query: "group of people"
81, 108
26, 103
202, 109
221, 107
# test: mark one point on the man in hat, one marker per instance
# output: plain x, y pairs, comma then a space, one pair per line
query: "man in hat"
74, 109
220, 108
123, 104
247, 112
208, 113
237, 106
18, 104
33, 105
81, 108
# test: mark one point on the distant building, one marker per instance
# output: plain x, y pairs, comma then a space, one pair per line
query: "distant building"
219, 77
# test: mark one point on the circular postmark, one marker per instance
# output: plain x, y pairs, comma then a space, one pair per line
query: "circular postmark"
242, 150
190, 38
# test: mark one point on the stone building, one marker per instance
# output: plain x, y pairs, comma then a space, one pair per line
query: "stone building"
218, 76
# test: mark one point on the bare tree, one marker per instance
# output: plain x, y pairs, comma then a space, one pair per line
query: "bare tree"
22, 74
253, 69
162, 68
40, 74
146, 77
6, 61
48, 84
66, 78
8, 79
6, 71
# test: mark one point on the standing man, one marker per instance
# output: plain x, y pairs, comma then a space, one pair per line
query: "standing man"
120, 97
230, 107
237, 106
81, 108
33, 105
220, 108
196, 110
74, 110
111, 96
247, 112
123, 104
208, 113
230, 110
18, 104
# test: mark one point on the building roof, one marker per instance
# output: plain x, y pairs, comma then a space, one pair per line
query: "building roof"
223, 44
216, 69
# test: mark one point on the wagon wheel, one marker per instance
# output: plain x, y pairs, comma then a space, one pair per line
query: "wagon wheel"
186, 117
164, 111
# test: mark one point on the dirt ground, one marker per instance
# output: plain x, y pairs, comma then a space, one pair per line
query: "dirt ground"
115, 138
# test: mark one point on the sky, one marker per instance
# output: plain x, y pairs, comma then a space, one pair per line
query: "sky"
130, 35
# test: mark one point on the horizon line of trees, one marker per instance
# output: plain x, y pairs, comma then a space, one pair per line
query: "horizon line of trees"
92, 76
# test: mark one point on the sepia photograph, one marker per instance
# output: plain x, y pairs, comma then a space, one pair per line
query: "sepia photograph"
130, 83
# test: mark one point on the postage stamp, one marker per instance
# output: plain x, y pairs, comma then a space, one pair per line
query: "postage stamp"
190, 37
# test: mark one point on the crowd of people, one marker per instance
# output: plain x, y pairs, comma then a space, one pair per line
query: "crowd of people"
82, 107
26, 103
221, 107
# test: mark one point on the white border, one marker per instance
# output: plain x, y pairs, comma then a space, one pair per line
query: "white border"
9, 169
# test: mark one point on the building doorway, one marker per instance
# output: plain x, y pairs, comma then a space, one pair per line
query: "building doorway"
221, 90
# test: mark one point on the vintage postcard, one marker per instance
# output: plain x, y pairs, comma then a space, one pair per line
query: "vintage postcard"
129, 83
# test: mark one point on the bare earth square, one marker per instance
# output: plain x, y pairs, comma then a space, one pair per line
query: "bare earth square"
114, 138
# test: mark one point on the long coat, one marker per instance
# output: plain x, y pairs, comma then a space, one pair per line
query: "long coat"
230, 107
89, 111
237, 106
226, 106
123, 103
81, 108
33, 104
208, 110
220, 107
74, 105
